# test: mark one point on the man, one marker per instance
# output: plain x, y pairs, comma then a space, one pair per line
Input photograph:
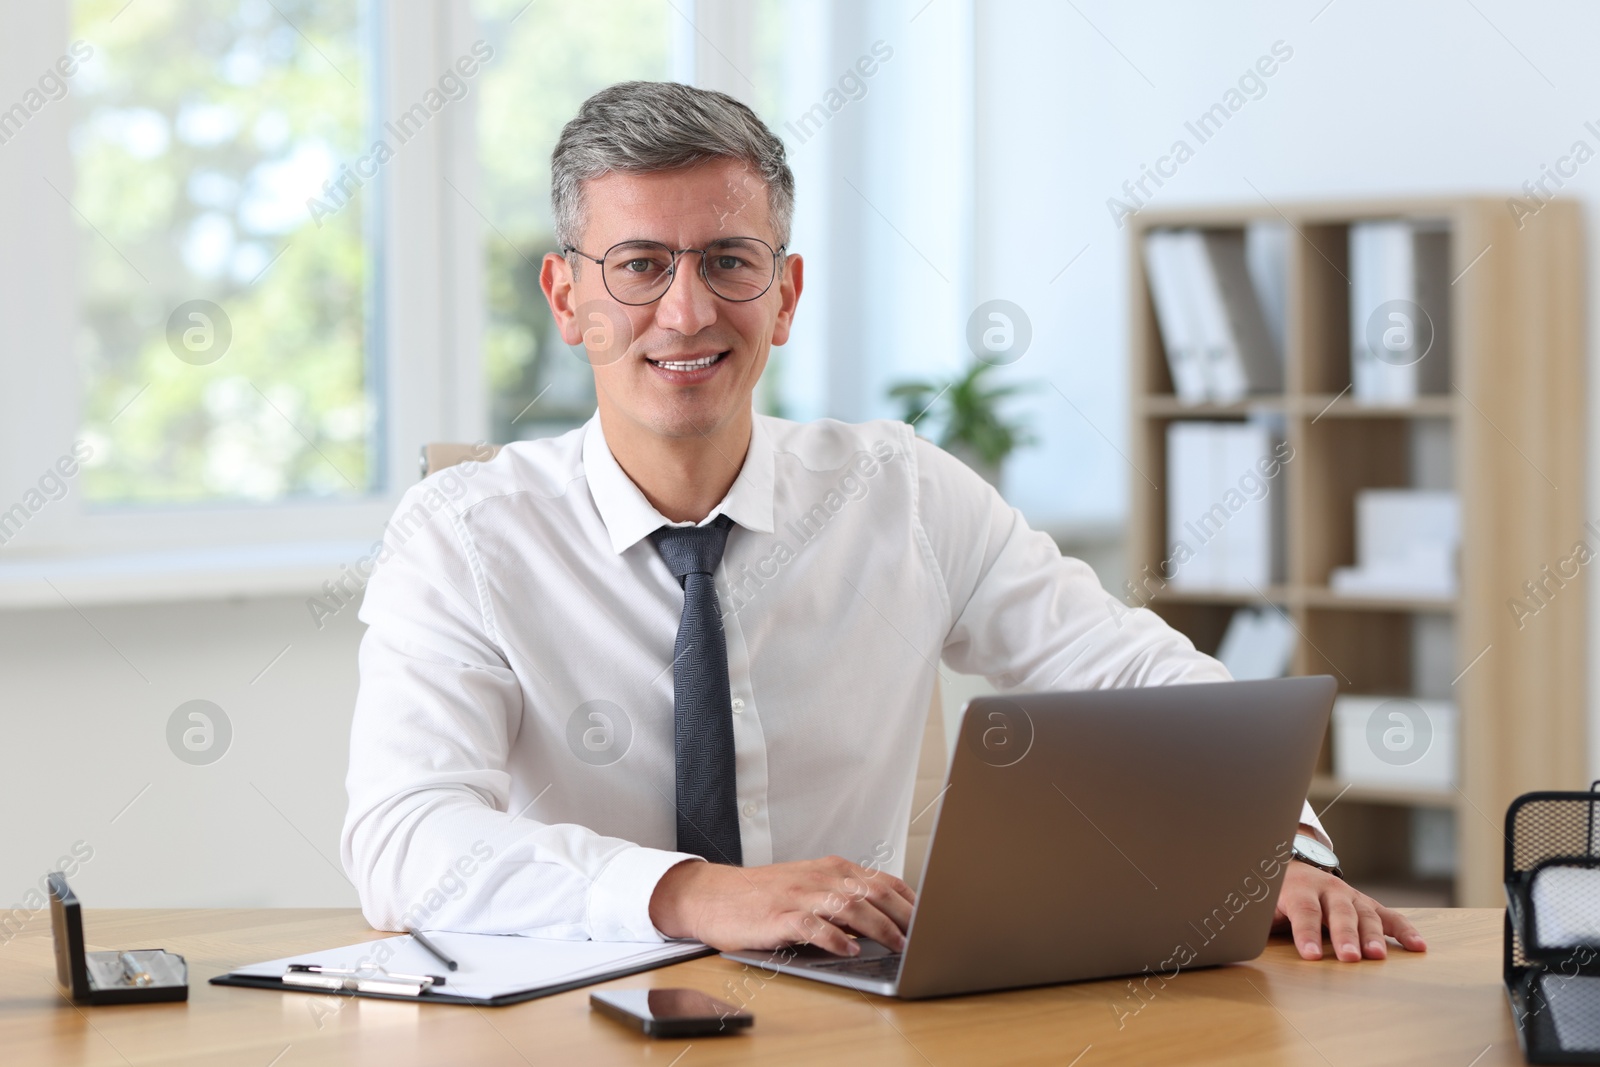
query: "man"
685, 632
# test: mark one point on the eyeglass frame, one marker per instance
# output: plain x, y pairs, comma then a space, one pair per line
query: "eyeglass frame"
672, 269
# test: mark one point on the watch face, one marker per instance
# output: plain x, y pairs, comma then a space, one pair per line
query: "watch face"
1315, 851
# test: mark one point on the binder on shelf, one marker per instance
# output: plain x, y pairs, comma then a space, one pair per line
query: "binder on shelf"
1223, 383
1214, 330
1434, 280
1189, 480
1399, 311
1224, 513
1241, 357
1266, 253
1175, 316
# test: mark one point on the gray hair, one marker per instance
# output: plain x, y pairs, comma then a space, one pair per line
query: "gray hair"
639, 127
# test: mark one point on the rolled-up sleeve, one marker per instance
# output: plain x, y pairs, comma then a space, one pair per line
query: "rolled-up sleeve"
429, 839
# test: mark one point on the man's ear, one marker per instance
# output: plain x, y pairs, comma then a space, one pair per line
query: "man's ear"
555, 278
789, 287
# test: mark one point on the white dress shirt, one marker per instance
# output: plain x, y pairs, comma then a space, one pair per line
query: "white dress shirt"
511, 758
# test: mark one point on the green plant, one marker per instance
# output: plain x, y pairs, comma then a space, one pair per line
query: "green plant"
967, 411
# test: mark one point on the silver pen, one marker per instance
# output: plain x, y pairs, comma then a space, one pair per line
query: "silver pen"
132, 972
375, 973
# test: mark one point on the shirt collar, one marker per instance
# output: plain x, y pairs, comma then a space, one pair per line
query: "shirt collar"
629, 517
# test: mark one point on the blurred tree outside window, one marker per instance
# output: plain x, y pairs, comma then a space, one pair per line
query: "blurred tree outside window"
202, 129
549, 57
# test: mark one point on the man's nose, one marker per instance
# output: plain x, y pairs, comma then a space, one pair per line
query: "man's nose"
689, 305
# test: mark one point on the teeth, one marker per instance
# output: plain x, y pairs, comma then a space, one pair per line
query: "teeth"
689, 364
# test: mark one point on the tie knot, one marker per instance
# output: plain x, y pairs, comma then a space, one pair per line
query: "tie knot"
692, 549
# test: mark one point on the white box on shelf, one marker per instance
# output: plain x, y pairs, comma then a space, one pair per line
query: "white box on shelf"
1395, 741
1426, 572
1406, 544
1391, 523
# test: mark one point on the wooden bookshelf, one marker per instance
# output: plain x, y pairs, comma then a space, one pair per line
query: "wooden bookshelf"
1514, 419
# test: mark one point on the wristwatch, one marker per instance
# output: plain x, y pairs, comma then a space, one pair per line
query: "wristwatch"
1309, 850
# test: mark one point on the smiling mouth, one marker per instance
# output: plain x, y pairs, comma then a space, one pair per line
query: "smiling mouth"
686, 365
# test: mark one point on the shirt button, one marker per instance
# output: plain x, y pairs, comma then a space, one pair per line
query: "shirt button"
750, 810
738, 705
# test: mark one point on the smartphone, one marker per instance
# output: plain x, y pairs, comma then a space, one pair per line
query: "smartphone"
671, 1012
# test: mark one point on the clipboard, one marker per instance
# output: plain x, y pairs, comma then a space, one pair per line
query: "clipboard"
496, 970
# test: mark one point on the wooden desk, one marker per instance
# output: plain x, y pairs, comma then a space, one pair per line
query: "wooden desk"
1445, 1007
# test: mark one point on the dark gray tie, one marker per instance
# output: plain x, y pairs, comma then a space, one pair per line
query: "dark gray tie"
702, 712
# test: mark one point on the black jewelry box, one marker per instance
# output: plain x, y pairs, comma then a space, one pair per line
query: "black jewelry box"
132, 976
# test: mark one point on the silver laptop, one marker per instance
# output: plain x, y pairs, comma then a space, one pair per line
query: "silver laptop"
1093, 834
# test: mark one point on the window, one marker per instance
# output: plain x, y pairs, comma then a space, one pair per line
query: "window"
254, 327
224, 276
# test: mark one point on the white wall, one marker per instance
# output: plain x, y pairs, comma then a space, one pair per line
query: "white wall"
85, 707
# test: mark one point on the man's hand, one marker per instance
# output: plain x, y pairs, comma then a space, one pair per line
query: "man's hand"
818, 902
1312, 898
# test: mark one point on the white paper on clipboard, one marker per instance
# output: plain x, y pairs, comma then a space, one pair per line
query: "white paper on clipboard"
490, 965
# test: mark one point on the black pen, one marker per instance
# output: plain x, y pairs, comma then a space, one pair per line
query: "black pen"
431, 947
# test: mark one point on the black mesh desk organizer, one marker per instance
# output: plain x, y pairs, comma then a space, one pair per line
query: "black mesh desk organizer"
1552, 937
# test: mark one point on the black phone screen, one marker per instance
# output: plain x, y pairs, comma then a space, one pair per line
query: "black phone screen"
676, 1012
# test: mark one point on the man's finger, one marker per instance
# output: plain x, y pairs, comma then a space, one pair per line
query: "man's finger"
900, 888
1339, 910
1305, 924
812, 930
874, 876
1402, 930
885, 890
892, 904
865, 919
1373, 946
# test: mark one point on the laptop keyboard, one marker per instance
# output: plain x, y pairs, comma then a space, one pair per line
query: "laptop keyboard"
886, 968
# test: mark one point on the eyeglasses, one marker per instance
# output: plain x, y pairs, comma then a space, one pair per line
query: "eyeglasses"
640, 272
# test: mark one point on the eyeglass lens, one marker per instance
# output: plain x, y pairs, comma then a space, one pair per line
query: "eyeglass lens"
739, 268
